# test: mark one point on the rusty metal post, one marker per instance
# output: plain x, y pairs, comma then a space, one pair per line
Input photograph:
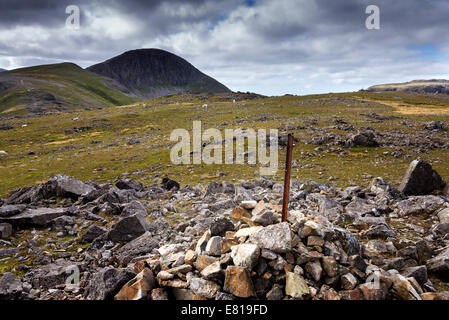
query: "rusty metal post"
288, 168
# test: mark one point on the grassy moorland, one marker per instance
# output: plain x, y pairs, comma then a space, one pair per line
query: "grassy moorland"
56, 87
134, 140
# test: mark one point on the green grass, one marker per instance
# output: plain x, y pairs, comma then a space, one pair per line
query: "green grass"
102, 153
73, 86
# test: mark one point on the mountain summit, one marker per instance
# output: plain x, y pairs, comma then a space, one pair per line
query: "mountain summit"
149, 73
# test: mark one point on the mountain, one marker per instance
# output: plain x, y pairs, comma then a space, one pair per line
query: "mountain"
418, 86
3, 70
150, 73
57, 87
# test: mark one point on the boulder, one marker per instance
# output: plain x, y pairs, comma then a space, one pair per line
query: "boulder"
245, 255
128, 184
137, 288
5, 230
295, 285
213, 272
134, 207
420, 179
220, 226
39, 217
65, 186
238, 282
129, 228
419, 273
213, 246
107, 282
380, 231
404, 288
443, 215
93, 233
140, 246
204, 288
276, 238
10, 287
53, 274
348, 281
11, 210
439, 264
362, 139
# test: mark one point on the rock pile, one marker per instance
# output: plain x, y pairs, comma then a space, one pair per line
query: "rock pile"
226, 241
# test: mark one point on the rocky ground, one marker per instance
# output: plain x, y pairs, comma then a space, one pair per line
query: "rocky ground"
226, 241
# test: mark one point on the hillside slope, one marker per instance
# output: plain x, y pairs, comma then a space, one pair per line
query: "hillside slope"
418, 86
150, 73
57, 87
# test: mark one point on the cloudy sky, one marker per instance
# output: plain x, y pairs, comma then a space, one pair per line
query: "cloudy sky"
271, 47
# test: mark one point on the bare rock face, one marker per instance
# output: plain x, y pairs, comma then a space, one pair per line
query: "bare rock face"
420, 179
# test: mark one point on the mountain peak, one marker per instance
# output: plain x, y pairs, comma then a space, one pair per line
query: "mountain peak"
149, 73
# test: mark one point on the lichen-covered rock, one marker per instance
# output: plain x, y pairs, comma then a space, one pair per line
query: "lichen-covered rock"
296, 286
245, 255
276, 238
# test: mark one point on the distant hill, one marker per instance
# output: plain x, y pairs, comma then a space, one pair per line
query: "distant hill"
418, 86
149, 73
3, 70
57, 87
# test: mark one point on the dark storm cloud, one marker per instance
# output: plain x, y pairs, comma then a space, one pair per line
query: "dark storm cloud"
264, 45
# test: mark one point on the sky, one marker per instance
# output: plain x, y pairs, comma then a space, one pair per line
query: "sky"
271, 47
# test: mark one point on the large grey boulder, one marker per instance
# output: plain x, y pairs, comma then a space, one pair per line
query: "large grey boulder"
65, 186
53, 274
10, 287
129, 228
134, 207
93, 233
39, 217
439, 264
106, 283
420, 179
138, 247
128, 184
5, 230
276, 238
11, 210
